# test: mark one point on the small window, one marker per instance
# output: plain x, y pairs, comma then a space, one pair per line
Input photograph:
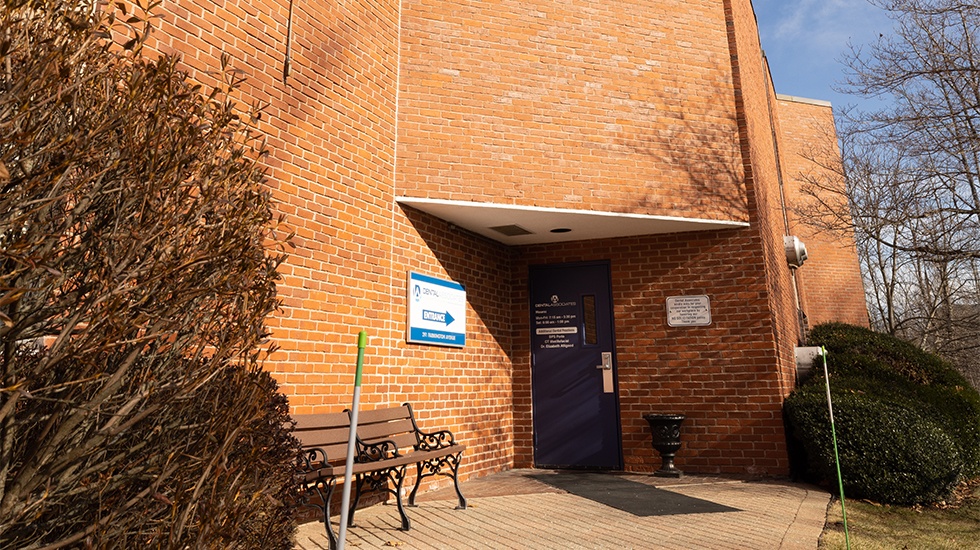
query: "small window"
589, 318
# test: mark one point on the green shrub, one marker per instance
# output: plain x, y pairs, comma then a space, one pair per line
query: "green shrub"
863, 352
888, 453
903, 374
921, 418
957, 410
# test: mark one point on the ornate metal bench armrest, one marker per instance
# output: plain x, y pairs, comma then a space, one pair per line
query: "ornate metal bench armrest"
311, 459
430, 441
374, 452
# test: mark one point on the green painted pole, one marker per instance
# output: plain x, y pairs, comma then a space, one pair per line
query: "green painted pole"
833, 435
351, 442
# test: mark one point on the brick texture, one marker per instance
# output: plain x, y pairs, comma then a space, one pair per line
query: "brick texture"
616, 106
658, 107
831, 287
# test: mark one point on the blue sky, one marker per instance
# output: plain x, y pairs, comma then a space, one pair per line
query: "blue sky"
805, 40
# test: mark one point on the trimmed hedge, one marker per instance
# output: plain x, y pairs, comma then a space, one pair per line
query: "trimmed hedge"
888, 453
908, 424
868, 354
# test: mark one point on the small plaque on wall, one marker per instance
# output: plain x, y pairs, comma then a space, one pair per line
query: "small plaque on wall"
688, 311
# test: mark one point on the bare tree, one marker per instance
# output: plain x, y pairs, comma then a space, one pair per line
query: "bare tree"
930, 70
912, 170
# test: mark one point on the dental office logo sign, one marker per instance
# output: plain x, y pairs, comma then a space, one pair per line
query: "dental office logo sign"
436, 311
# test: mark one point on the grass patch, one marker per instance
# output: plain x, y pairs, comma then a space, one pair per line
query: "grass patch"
874, 526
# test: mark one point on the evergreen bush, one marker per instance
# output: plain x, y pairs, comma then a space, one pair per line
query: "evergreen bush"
868, 354
908, 423
888, 453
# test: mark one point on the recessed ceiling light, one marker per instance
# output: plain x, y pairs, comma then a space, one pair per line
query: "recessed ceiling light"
560, 230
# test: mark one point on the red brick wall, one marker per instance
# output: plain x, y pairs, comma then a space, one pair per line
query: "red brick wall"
467, 390
760, 127
656, 107
616, 106
331, 131
831, 286
545, 104
722, 377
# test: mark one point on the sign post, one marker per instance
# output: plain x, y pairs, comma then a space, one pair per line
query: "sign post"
833, 435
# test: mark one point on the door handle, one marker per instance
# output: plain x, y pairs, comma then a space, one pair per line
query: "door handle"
607, 373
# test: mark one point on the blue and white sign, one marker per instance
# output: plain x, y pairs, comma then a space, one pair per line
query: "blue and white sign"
436, 311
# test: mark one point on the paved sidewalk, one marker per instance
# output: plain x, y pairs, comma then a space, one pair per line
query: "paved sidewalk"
543, 509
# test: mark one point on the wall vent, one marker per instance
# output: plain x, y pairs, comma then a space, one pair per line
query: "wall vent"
511, 230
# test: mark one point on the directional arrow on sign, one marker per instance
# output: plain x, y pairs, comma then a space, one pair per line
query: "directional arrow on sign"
437, 316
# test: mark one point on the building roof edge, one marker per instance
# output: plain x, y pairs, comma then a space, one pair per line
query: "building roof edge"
820, 102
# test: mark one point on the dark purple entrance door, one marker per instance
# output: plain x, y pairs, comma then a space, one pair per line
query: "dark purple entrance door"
573, 373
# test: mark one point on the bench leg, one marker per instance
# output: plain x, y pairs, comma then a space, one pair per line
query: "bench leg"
325, 495
436, 466
326, 516
455, 465
379, 482
400, 478
418, 482
353, 504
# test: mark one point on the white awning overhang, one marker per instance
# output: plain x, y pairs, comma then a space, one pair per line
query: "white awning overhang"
520, 225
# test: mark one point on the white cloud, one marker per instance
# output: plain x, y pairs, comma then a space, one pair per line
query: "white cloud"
804, 39
822, 27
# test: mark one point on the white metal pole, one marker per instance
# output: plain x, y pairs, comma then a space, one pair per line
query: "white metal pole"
351, 442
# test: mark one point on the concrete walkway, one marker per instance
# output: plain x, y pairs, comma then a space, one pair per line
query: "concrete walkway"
542, 509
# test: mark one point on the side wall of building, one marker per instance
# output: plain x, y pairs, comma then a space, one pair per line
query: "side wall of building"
831, 286
331, 127
331, 132
759, 128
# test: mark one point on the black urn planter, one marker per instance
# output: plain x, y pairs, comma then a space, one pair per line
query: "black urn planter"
666, 430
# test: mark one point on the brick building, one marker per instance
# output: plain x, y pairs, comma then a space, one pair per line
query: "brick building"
604, 182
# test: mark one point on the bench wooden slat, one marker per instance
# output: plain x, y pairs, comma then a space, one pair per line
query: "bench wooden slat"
403, 442
324, 437
420, 456
338, 470
322, 420
383, 415
383, 429
336, 453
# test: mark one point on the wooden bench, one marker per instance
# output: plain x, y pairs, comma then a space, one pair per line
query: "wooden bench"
388, 441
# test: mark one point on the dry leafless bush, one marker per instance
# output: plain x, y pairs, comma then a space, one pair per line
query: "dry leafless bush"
138, 257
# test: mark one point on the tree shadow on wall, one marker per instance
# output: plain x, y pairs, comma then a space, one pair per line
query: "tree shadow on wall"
711, 182
694, 111
695, 137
